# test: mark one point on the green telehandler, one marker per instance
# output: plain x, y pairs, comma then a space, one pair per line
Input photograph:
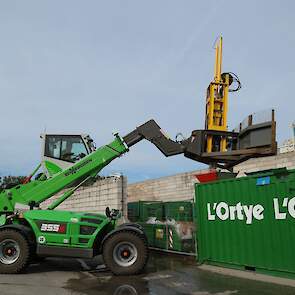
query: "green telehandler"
68, 162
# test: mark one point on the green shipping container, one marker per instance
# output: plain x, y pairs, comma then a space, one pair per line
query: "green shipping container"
248, 222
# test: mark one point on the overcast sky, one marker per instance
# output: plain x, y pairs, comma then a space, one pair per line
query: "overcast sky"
100, 66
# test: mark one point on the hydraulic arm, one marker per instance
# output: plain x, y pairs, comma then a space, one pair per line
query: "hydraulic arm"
254, 141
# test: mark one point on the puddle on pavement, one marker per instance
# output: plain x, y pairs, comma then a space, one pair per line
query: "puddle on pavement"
161, 261
170, 275
108, 284
158, 269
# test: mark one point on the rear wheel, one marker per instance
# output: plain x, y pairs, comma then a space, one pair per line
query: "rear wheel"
125, 253
14, 252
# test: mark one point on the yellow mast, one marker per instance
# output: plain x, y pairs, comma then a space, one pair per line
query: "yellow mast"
217, 104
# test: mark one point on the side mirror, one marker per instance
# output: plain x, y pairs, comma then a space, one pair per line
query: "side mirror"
108, 212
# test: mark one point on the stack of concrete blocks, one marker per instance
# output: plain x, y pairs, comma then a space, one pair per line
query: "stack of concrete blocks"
287, 146
107, 192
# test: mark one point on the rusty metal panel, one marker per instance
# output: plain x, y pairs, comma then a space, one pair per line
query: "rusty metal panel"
248, 222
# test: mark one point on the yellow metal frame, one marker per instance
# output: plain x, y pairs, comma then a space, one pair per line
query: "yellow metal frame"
217, 101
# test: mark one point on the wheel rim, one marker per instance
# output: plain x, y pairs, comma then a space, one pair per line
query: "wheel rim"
9, 251
125, 290
125, 254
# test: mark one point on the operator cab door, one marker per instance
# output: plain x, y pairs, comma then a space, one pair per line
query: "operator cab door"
62, 151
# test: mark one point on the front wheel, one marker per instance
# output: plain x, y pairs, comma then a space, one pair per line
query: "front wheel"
14, 252
125, 253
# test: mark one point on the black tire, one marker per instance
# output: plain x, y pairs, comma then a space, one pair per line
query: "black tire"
115, 248
14, 252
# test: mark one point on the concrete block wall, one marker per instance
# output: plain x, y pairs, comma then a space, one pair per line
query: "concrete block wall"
279, 161
181, 186
171, 188
108, 192
115, 193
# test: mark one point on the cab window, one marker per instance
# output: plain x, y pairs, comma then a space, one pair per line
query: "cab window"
66, 148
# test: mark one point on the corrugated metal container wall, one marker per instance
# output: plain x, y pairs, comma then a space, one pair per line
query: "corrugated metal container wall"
248, 222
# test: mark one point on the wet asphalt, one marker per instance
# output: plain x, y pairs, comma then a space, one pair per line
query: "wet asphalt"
164, 275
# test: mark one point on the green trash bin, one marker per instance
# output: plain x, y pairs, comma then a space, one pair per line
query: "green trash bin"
179, 211
133, 211
179, 243
149, 231
177, 231
152, 209
160, 236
